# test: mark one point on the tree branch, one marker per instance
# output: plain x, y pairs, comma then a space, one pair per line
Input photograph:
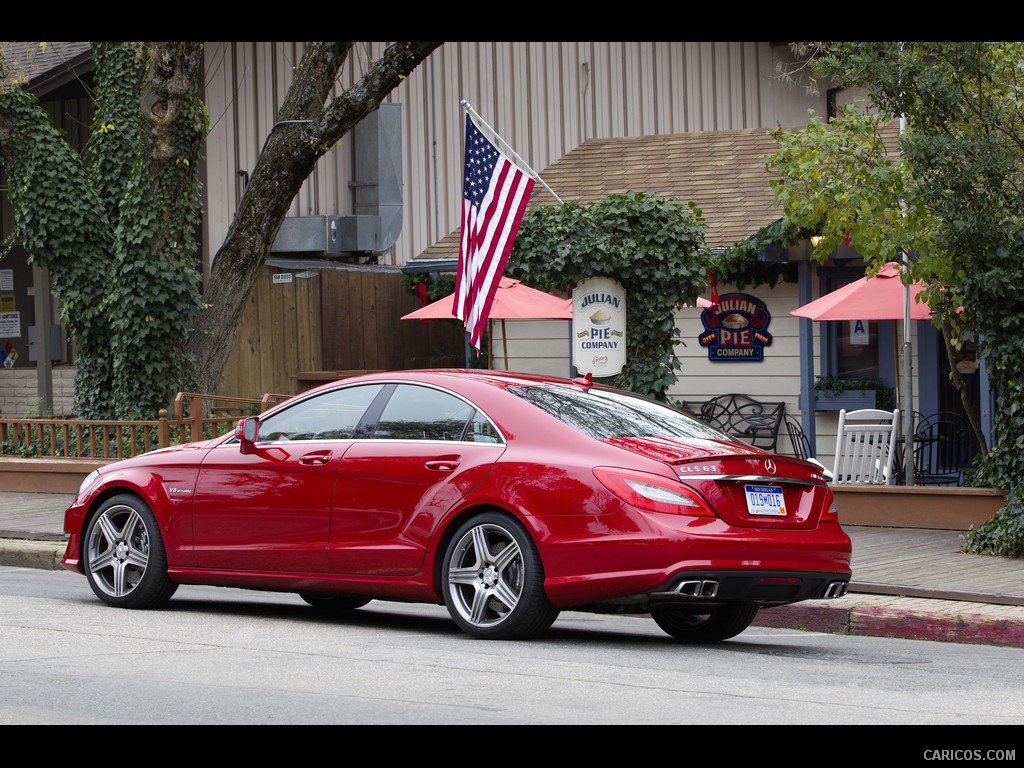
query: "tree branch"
287, 160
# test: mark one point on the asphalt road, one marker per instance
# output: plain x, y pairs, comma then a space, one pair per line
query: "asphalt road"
227, 656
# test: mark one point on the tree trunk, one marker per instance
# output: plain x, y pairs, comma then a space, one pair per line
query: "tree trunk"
304, 133
965, 398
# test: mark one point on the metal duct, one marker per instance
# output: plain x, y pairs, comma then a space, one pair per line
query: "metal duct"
377, 194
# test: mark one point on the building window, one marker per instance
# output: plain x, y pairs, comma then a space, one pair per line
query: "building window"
850, 349
856, 349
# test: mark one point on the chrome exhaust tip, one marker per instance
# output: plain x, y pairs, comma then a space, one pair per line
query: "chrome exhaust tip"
697, 588
836, 589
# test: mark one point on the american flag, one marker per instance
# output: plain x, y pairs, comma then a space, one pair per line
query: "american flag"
494, 196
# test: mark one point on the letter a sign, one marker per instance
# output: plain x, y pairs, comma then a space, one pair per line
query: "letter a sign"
859, 333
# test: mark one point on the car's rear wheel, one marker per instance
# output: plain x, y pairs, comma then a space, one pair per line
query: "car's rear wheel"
333, 601
720, 624
125, 561
493, 580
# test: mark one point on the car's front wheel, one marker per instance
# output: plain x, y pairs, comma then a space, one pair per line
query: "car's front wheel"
493, 580
125, 561
720, 624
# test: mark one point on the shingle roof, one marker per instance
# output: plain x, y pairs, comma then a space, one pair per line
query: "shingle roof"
723, 172
45, 65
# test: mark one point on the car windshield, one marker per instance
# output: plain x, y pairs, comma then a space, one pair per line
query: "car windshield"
604, 414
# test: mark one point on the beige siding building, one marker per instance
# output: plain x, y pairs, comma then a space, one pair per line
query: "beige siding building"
686, 119
542, 99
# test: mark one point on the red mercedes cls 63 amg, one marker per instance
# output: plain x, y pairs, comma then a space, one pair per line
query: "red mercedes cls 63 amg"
505, 497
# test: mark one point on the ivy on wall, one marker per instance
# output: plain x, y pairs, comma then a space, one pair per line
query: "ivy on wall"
743, 266
429, 287
652, 245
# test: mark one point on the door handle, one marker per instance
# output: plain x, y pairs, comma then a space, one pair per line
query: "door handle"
319, 457
442, 465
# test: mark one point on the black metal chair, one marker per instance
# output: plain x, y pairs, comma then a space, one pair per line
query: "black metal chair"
753, 421
944, 446
797, 439
802, 445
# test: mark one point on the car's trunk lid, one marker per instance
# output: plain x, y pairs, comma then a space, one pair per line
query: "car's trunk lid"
746, 486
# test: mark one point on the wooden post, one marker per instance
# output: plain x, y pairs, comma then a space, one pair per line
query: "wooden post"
195, 415
163, 430
44, 355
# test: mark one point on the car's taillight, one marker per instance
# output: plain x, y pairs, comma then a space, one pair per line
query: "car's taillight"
653, 493
830, 512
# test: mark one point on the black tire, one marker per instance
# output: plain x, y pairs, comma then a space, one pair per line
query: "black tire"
720, 624
123, 555
492, 580
334, 602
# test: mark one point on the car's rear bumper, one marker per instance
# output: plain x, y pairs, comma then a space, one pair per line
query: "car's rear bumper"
641, 554
707, 589
761, 587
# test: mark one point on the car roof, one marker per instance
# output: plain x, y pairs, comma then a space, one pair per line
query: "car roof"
439, 376
481, 385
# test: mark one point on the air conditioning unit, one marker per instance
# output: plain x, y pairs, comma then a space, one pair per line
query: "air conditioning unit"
377, 197
307, 235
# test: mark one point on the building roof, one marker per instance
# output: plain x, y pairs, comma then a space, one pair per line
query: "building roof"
723, 172
46, 66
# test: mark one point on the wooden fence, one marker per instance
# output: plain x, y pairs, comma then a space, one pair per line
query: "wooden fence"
330, 320
195, 417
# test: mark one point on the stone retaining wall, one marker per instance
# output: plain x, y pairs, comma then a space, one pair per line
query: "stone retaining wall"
19, 392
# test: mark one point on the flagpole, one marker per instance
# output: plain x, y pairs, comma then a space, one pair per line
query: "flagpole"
907, 397
906, 370
469, 108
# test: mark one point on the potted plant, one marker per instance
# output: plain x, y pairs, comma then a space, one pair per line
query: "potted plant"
832, 394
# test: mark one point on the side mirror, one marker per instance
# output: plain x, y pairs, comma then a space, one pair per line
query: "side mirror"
246, 432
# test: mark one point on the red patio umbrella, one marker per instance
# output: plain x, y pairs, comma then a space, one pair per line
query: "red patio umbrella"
512, 301
869, 298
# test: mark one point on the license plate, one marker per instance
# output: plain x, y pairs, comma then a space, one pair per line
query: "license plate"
765, 500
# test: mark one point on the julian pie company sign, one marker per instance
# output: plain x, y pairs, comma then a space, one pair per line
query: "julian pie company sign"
599, 327
737, 329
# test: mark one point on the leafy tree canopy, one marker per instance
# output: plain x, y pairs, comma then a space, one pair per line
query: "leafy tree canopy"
116, 226
951, 207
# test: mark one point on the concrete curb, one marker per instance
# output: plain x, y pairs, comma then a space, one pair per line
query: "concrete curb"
907, 618
23, 553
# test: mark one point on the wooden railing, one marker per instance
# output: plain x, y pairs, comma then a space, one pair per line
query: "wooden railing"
207, 416
196, 417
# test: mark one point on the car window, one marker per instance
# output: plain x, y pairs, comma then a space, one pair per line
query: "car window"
332, 415
481, 430
423, 413
603, 414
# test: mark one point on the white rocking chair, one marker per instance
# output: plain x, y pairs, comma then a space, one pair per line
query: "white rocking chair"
866, 447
